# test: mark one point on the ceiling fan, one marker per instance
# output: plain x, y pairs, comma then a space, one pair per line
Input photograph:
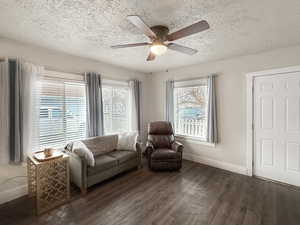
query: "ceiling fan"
159, 35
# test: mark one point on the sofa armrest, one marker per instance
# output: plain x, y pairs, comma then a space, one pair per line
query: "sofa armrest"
138, 146
78, 170
177, 146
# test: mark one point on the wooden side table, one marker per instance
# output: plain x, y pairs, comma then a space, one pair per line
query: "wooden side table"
48, 182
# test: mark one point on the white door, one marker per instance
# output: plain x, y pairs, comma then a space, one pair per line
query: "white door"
277, 127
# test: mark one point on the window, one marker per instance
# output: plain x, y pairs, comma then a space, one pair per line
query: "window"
190, 108
62, 112
116, 107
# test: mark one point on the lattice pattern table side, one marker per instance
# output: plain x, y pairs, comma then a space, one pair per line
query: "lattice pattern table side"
49, 182
53, 184
31, 173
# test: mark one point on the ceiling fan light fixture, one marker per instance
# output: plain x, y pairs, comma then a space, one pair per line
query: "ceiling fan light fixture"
158, 49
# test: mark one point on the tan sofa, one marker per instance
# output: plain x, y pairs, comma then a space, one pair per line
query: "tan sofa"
107, 165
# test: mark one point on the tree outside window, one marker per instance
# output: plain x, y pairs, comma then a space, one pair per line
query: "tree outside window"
190, 111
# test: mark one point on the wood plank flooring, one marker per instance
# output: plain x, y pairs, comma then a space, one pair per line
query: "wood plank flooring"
197, 195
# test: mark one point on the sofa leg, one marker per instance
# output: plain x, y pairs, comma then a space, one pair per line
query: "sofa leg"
83, 191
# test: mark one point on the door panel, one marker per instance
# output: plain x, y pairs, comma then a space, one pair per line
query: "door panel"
266, 105
293, 156
267, 152
293, 110
277, 127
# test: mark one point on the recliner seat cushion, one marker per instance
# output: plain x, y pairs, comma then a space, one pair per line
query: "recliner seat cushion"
102, 162
123, 155
163, 153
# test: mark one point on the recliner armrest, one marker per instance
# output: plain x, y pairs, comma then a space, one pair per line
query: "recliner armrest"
177, 146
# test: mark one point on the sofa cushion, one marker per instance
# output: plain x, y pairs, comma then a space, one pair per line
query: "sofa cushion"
164, 153
123, 155
102, 144
102, 162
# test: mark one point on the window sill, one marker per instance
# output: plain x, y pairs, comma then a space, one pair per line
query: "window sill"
194, 140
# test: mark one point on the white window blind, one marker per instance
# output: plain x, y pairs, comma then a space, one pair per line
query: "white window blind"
116, 106
62, 112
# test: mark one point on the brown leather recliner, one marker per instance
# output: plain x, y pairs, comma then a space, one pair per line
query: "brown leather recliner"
163, 152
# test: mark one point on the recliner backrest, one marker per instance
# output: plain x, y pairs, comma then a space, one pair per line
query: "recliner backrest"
160, 134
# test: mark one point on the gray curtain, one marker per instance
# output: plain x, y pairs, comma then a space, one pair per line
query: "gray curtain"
15, 108
170, 101
212, 129
135, 88
95, 119
23, 109
4, 113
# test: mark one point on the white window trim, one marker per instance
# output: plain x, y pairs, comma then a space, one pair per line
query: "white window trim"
191, 82
200, 81
195, 140
115, 83
56, 75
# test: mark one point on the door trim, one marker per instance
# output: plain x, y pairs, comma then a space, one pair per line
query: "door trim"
250, 106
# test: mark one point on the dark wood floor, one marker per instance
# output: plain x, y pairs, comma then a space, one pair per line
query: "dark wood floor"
197, 195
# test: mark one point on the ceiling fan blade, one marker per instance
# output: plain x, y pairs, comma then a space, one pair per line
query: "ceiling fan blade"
182, 49
151, 56
130, 45
192, 29
139, 23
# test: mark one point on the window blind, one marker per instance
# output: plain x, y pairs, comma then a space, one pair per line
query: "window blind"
115, 106
62, 112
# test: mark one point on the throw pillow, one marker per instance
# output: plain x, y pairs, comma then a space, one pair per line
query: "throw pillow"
81, 150
127, 141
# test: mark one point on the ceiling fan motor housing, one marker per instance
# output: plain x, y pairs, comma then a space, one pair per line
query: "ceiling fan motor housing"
161, 33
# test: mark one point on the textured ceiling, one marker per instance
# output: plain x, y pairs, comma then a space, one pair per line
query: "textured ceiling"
88, 27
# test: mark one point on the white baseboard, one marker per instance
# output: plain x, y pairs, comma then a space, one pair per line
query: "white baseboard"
13, 193
215, 163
